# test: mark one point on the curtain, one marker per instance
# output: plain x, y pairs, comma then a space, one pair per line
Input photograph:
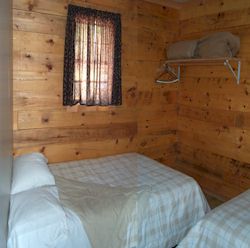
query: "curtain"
92, 59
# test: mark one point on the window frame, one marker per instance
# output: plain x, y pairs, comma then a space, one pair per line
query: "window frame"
69, 54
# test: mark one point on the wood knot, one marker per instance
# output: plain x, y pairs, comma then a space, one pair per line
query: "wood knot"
143, 144
49, 67
50, 41
42, 149
45, 120
30, 6
132, 89
225, 127
132, 92
220, 15
233, 161
27, 56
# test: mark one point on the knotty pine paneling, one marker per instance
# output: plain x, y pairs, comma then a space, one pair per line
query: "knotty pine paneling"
208, 139
147, 120
213, 111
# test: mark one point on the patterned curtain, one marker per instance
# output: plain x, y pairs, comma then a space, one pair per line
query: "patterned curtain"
92, 59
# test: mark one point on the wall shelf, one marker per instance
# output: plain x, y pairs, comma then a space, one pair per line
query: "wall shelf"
169, 67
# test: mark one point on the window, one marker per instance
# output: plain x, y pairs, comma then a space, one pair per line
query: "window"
92, 59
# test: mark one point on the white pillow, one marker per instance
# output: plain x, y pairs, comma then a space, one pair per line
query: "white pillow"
30, 171
37, 219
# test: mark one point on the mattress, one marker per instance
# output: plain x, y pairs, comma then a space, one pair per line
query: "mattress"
227, 226
176, 205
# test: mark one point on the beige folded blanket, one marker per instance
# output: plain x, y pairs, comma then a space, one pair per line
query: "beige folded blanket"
222, 44
107, 213
182, 50
216, 45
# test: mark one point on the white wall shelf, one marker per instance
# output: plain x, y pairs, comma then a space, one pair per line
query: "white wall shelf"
170, 67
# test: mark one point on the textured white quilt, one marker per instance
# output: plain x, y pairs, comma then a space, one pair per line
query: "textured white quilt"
227, 226
174, 205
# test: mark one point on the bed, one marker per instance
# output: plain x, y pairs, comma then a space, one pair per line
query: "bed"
227, 226
125, 200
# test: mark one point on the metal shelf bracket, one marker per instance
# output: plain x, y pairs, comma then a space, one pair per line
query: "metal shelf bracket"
236, 73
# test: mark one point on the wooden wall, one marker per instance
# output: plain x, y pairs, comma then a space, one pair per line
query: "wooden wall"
147, 120
213, 111
212, 141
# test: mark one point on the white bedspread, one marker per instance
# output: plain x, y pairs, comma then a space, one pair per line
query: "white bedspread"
176, 205
227, 226
38, 220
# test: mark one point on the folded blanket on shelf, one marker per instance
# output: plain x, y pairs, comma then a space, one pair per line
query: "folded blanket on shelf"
222, 44
182, 50
216, 45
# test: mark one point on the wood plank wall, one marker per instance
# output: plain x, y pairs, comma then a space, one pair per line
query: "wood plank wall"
147, 120
214, 112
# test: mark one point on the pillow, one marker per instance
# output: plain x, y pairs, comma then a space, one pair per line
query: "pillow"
30, 171
37, 219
